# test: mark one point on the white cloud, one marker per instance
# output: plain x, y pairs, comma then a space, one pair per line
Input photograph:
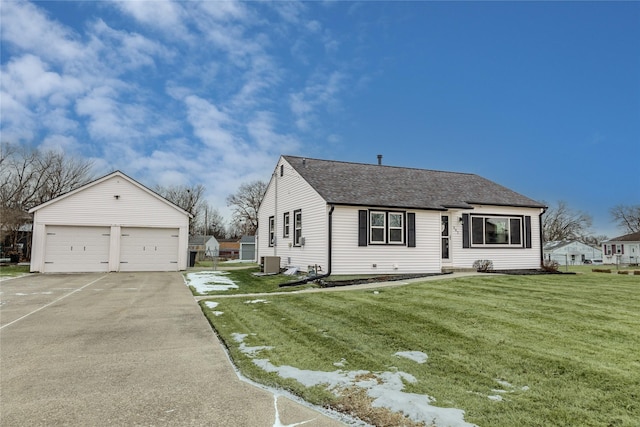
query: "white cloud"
169, 92
321, 92
28, 28
166, 15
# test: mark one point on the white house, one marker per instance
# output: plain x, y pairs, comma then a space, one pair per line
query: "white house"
571, 252
351, 218
622, 250
111, 224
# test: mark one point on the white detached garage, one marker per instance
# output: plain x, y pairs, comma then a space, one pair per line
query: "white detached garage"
111, 224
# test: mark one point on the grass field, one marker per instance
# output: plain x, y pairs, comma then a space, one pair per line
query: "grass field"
13, 270
554, 350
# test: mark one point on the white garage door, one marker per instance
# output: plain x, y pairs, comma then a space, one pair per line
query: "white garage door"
149, 249
76, 249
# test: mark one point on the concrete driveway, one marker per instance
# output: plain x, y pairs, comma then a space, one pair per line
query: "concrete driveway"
122, 349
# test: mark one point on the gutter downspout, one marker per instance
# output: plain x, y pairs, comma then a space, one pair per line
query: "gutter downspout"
541, 237
330, 240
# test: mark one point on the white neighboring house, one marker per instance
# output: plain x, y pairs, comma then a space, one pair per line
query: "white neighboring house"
622, 250
571, 252
111, 224
206, 246
353, 218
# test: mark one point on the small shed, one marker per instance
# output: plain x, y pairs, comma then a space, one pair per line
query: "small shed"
248, 248
111, 224
205, 246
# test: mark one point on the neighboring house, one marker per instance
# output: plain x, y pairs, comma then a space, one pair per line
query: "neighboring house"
111, 224
205, 246
248, 248
351, 218
571, 252
229, 248
622, 250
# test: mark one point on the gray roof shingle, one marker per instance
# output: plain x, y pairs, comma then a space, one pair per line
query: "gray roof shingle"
362, 184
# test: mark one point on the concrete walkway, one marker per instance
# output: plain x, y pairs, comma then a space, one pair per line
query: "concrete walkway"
123, 349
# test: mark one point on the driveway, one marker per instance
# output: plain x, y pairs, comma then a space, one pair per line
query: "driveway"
122, 349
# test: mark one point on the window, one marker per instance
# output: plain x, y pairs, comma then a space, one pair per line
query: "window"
272, 230
496, 231
396, 227
378, 226
297, 228
386, 227
285, 224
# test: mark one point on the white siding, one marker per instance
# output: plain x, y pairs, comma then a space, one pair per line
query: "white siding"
349, 258
288, 193
96, 205
503, 259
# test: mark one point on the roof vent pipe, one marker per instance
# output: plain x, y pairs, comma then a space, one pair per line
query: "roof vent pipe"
379, 159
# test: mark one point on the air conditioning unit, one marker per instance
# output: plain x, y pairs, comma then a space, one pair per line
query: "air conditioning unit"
271, 264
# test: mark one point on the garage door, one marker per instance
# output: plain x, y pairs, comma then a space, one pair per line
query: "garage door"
76, 249
149, 249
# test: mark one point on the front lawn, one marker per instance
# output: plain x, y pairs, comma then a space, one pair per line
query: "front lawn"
13, 270
555, 350
240, 281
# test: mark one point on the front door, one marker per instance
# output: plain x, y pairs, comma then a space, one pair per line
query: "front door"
445, 238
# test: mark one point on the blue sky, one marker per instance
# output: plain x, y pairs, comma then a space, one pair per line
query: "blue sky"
542, 97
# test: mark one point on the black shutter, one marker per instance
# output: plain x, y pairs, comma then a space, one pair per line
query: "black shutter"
465, 231
411, 230
527, 232
362, 227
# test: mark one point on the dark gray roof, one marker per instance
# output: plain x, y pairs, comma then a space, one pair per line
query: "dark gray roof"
248, 239
361, 184
633, 237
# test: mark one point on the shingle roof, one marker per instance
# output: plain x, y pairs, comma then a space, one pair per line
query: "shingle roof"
633, 237
388, 186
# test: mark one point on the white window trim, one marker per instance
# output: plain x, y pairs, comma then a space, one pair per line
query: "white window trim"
272, 231
297, 228
386, 228
286, 223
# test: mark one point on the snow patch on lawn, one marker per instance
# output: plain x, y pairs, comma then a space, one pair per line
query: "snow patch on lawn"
384, 387
416, 356
212, 305
257, 301
245, 349
208, 281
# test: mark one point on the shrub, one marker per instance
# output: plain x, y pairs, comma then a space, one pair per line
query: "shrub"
623, 272
636, 272
483, 265
601, 270
550, 265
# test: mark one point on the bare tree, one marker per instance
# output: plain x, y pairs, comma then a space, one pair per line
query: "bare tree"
212, 222
245, 203
188, 198
562, 223
627, 217
30, 177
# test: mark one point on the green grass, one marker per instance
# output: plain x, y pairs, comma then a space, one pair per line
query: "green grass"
572, 340
13, 270
249, 283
